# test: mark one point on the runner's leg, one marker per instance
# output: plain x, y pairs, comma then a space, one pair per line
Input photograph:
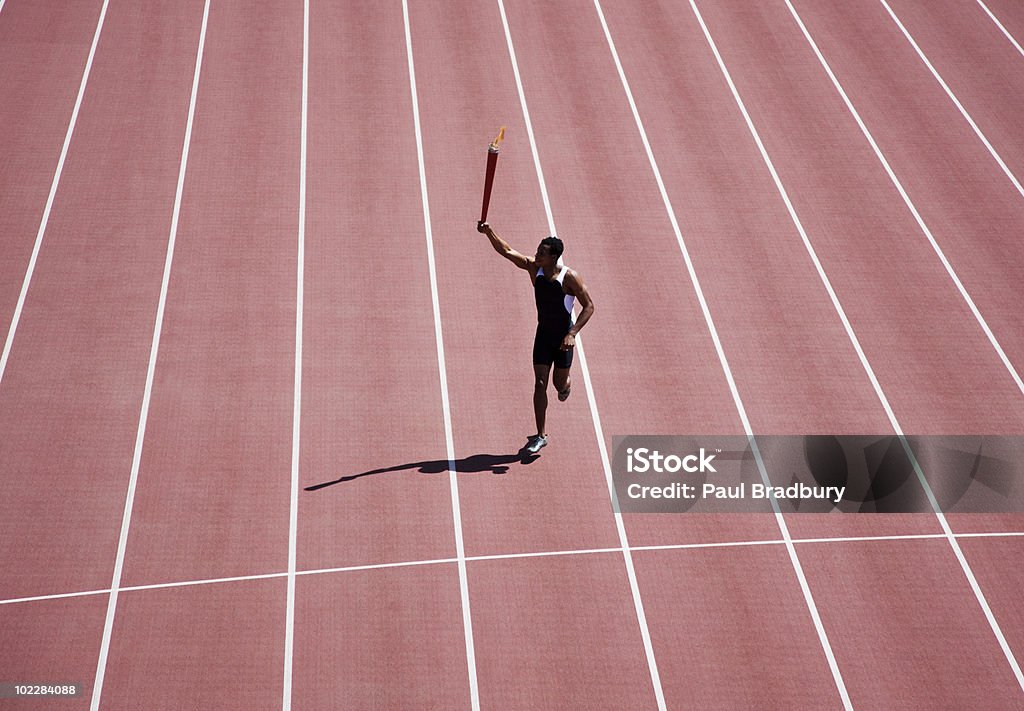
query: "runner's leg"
562, 382
540, 394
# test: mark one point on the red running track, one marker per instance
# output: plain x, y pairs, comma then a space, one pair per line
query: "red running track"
505, 585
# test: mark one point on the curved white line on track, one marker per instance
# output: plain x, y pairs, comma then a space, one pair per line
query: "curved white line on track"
952, 96
502, 556
467, 623
16, 318
634, 586
965, 566
108, 625
1001, 28
944, 524
910, 205
726, 369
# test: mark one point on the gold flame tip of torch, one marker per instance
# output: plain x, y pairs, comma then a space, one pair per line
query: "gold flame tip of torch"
498, 139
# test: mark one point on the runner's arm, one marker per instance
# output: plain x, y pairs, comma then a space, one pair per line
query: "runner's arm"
575, 286
502, 248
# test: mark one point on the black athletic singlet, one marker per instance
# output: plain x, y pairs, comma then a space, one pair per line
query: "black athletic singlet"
554, 319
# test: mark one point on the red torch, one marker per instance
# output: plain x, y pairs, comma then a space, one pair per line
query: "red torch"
492, 162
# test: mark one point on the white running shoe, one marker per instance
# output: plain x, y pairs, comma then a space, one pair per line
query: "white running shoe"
536, 443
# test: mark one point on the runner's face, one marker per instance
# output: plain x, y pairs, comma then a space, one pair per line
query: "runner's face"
543, 257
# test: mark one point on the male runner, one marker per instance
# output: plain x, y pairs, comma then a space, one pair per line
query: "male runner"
555, 288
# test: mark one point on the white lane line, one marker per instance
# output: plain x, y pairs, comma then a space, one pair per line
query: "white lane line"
49, 200
1001, 28
726, 369
140, 436
634, 586
910, 205
207, 581
859, 539
380, 566
54, 596
950, 537
293, 506
509, 556
460, 549
952, 96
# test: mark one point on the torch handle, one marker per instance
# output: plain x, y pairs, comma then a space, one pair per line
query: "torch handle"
492, 162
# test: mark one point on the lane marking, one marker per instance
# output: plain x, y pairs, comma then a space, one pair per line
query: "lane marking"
122, 542
1001, 28
382, 566
293, 505
952, 96
910, 204
634, 586
508, 556
16, 318
950, 537
54, 596
726, 369
467, 622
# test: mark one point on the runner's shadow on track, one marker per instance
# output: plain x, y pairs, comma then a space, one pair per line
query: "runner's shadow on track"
477, 463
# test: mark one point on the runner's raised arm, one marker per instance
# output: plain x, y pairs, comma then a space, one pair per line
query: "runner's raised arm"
502, 248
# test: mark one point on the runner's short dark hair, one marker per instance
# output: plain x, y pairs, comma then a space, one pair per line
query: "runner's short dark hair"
554, 245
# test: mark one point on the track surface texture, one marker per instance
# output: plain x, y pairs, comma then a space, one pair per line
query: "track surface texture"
264, 388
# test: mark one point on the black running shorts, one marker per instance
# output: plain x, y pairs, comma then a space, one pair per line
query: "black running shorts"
547, 349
